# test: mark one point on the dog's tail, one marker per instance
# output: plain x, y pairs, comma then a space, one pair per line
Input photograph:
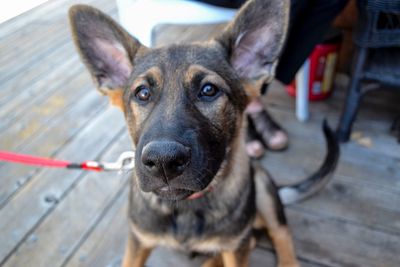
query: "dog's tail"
304, 189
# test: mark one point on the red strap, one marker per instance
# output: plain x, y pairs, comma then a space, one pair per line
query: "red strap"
32, 160
47, 162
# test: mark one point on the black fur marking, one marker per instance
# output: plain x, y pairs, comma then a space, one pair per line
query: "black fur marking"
200, 223
273, 190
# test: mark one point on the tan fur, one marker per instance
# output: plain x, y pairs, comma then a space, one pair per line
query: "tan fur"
135, 254
215, 261
283, 243
115, 97
201, 245
237, 258
252, 87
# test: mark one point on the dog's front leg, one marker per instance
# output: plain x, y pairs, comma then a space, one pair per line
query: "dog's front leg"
135, 254
215, 261
271, 215
239, 257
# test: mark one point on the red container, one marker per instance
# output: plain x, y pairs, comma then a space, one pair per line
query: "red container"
322, 69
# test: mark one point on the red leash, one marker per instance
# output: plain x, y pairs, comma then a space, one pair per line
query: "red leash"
124, 162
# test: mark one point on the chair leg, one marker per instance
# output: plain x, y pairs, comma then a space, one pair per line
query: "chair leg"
353, 98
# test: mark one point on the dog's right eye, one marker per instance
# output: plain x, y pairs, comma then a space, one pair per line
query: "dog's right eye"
209, 92
142, 93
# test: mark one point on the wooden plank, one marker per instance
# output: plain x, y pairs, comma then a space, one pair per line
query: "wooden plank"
307, 150
31, 50
381, 162
105, 245
49, 8
294, 166
51, 139
336, 243
74, 217
38, 78
24, 119
347, 199
43, 192
33, 56
361, 194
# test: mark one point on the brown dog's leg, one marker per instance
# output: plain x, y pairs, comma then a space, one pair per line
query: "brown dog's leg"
135, 254
215, 261
283, 243
271, 213
237, 258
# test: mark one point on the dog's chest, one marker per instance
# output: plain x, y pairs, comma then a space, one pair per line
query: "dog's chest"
193, 232
203, 226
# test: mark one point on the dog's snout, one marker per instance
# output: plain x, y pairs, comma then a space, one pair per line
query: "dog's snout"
166, 159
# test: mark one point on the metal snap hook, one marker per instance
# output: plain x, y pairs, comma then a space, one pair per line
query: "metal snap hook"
126, 161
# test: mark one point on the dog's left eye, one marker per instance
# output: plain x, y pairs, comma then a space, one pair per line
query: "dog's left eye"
209, 92
142, 93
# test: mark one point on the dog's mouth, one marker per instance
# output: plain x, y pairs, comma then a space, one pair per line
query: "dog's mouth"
169, 193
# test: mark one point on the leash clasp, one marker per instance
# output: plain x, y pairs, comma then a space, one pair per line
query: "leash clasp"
126, 161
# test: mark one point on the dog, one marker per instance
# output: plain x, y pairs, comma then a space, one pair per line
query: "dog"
194, 188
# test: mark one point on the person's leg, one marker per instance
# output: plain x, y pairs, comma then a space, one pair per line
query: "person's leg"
263, 131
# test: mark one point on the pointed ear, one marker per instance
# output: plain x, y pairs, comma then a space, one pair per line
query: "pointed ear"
106, 49
254, 39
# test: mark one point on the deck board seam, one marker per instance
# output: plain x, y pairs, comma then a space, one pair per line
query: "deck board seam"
57, 45
53, 155
40, 98
307, 211
60, 199
7, 94
95, 223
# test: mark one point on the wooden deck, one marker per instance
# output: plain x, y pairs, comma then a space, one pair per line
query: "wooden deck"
48, 107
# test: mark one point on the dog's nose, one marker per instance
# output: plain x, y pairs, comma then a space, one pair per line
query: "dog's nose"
165, 158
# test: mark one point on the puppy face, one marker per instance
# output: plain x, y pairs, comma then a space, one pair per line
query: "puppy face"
184, 103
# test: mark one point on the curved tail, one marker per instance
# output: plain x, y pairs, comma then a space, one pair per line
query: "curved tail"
304, 189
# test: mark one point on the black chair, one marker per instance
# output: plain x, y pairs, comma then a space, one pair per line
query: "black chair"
377, 57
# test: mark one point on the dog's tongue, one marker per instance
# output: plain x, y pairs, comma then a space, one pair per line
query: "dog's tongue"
199, 194
195, 195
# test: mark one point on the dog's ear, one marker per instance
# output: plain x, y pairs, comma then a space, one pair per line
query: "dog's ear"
254, 39
106, 49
